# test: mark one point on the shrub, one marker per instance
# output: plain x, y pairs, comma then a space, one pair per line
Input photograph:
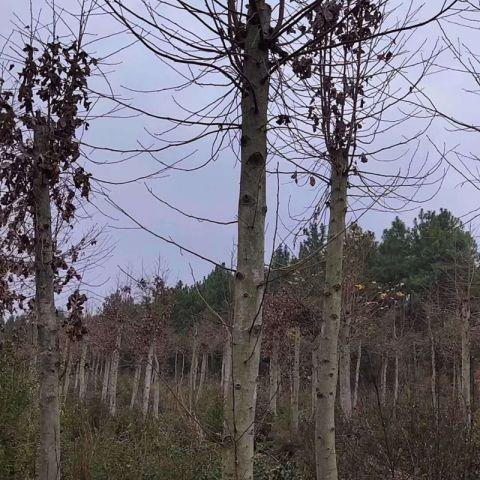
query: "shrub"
17, 417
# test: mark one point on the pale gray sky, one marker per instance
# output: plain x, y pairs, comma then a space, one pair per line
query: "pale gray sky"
212, 191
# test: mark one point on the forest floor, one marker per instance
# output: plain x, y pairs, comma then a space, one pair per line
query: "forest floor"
379, 442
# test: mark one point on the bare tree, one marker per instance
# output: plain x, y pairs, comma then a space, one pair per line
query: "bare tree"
41, 178
241, 51
347, 86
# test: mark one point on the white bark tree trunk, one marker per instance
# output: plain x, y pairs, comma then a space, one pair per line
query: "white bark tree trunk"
101, 365
396, 358
273, 371
383, 379
176, 368
296, 379
357, 375
454, 380
222, 371
77, 376
48, 339
466, 360
156, 388
81, 371
325, 454
112, 383
192, 379
34, 329
148, 380
136, 382
249, 278
459, 384
344, 365
182, 373
415, 364
203, 373
92, 369
433, 380
68, 370
98, 365
314, 380
227, 367
106, 376
396, 385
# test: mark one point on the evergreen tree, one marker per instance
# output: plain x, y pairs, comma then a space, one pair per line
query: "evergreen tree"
281, 258
440, 244
216, 290
391, 265
315, 238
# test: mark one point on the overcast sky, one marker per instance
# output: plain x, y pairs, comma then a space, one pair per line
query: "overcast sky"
212, 191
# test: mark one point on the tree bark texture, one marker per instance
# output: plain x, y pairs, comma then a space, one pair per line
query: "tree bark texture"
81, 371
357, 375
249, 278
136, 383
148, 380
466, 360
112, 383
344, 365
48, 338
325, 454
296, 379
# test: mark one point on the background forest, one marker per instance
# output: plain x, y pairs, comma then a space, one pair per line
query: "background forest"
142, 389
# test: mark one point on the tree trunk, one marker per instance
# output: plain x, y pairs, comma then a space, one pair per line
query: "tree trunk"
227, 367
68, 371
295, 379
383, 379
273, 371
344, 365
87, 372
106, 376
459, 385
48, 339
357, 375
81, 371
222, 371
192, 379
112, 384
433, 382
396, 365
97, 372
249, 278
156, 388
34, 329
182, 373
136, 382
415, 364
454, 381
101, 366
396, 385
203, 373
325, 454
176, 368
148, 380
77, 376
314, 379
466, 361
92, 370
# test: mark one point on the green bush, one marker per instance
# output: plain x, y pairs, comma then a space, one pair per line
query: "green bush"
17, 417
97, 447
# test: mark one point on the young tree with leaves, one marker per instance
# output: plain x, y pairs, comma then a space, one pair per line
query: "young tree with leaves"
40, 179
